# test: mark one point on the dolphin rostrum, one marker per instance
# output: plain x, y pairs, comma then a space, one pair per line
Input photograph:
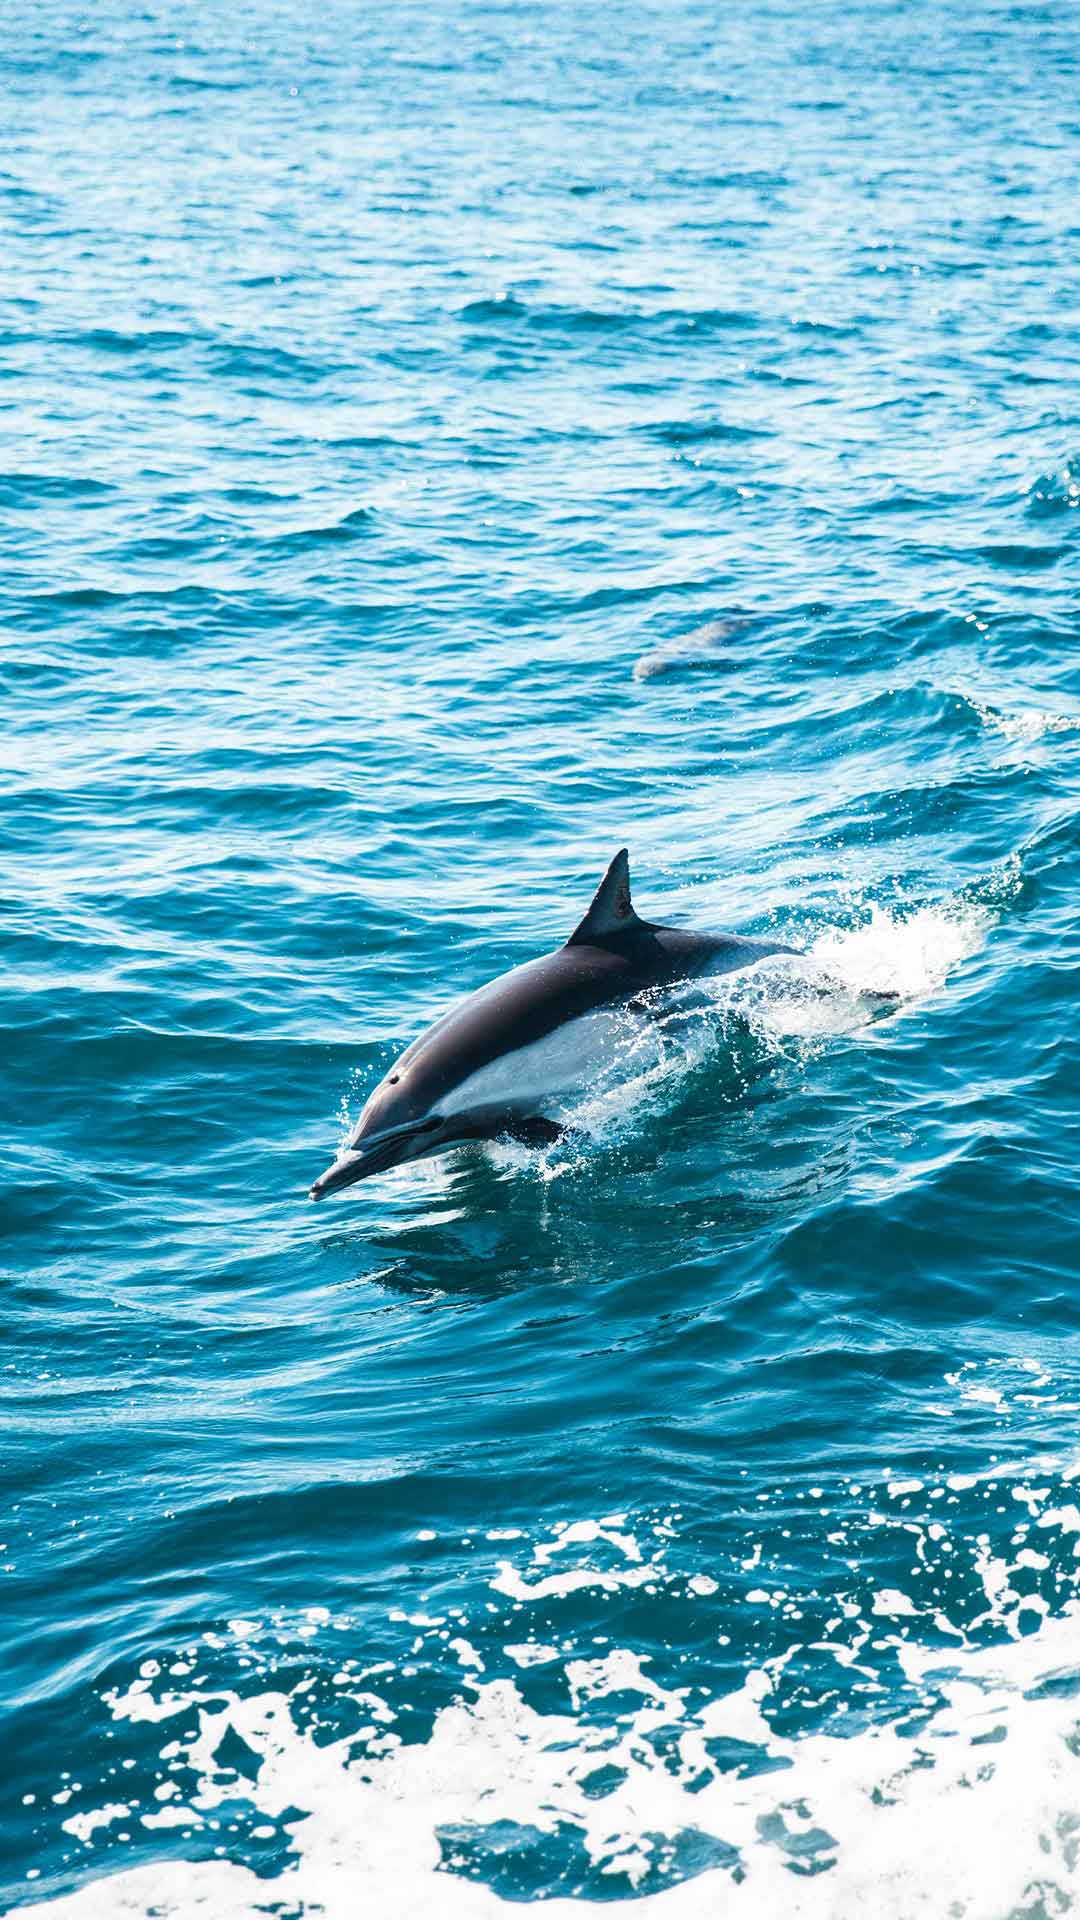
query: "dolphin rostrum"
494, 1064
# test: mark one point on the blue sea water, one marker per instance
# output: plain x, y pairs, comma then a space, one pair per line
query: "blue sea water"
687, 1517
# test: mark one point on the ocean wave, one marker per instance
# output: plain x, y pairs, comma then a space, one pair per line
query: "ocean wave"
600, 1768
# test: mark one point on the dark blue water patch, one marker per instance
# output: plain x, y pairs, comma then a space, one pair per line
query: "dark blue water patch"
124, 344
509, 310
967, 801
203, 83
256, 367
902, 503
255, 496
1022, 557
51, 62
204, 540
377, 442
111, 619
352, 525
741, 178
29, 491
690, 433
76, 598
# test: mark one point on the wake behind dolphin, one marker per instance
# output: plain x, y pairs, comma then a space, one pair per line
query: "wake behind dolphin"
496, 1064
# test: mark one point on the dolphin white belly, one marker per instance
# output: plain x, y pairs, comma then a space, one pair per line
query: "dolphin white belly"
541, 1077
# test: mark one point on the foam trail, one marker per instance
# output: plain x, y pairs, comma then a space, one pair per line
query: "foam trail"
971, 1811
959, 1798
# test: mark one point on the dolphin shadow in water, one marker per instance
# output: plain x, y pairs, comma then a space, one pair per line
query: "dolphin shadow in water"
703, 647
498, 1063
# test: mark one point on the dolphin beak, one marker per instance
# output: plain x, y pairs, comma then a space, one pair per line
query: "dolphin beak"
346, 1168
374, 1156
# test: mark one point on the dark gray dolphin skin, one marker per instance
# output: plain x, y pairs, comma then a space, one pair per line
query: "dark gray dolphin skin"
492, 1064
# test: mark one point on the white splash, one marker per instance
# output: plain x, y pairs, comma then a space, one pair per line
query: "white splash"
960, 1800
1023, 726
848, 978
972, 1813
910, 954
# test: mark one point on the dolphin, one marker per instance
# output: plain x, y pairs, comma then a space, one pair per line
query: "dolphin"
704, 646
495, 1063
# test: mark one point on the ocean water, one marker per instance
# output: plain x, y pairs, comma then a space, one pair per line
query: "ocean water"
439, 446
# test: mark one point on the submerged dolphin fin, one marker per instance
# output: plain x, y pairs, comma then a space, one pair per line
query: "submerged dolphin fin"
612, 910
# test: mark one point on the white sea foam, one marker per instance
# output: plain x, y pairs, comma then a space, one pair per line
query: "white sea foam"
972, 1815
910, 954
960, 1800
1025, 725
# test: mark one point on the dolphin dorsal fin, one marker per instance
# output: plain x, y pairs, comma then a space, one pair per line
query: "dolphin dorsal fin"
612, 910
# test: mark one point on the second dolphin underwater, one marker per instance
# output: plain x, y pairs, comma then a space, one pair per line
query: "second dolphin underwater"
490, 1067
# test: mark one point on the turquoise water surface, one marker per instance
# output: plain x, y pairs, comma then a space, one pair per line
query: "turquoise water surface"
686, 1517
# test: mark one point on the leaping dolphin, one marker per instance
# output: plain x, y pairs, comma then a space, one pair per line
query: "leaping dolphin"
492, 1065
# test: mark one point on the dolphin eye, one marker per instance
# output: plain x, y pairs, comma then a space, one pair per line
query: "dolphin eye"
394, 1078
